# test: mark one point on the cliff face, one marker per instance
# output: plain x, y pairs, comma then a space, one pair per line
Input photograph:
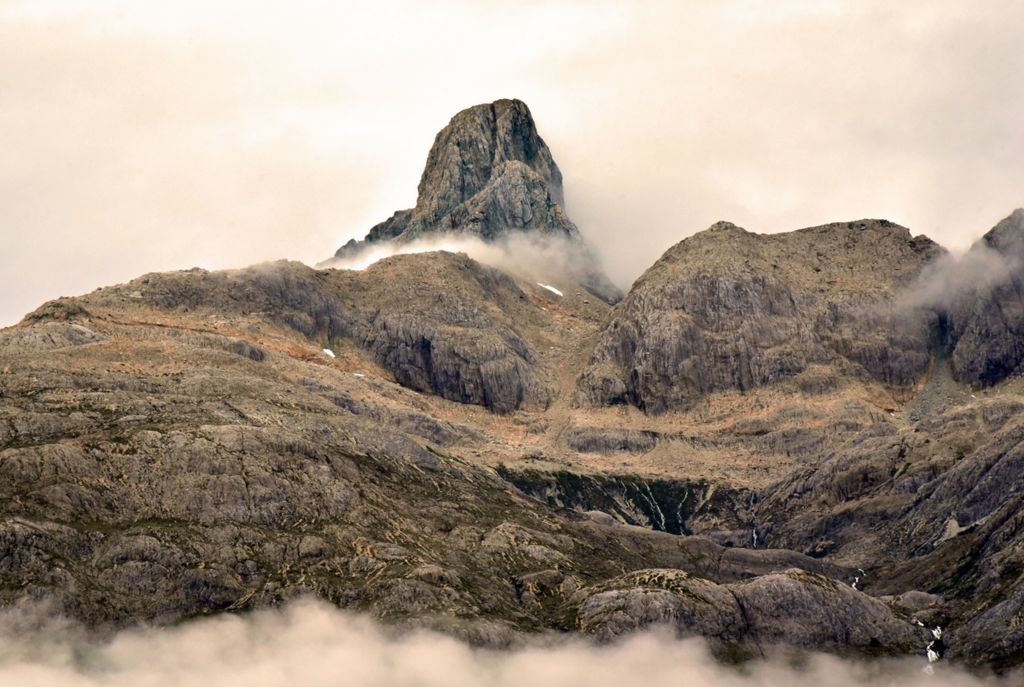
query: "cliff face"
489, 175
730, 310
488, 172
988, 320
491, 149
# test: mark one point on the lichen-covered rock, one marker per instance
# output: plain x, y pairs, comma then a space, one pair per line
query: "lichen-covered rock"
692, 606
516, 199
461, 341
996, 636
489, 172
46, 336
934, 507
801, 609
474, 151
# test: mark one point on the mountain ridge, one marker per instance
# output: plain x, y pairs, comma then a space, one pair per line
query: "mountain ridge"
770, 440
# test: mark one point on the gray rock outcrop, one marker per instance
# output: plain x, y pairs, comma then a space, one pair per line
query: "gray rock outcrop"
727, 309
790, 607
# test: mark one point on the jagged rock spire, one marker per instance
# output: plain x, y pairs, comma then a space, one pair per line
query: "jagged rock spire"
490, 174
472, 150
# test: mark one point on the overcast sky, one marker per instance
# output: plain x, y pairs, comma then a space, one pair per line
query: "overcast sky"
139, 136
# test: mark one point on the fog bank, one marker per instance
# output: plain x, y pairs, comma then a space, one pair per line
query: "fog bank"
312, 644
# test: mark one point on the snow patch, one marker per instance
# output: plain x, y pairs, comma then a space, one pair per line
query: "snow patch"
329, 353
952, 529
550, 288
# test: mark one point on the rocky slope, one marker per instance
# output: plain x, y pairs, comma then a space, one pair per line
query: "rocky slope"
924, 495
489, 175
811, 439
181, 445
437, 322
730, 310
196, 442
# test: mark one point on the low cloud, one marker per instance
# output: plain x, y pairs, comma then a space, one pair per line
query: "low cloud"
532, 256
978, 271
311, 644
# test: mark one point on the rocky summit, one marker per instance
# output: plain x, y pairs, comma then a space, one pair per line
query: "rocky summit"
812, 439
730, 310
490, 176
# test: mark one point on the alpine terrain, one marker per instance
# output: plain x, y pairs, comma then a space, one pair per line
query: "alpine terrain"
812, 439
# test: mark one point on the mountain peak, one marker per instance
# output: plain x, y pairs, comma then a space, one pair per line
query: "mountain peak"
488, 172
489, 175
1008, 235
726, 226
471, 150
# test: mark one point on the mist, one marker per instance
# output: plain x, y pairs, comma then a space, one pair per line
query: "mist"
143, 136
310, 643
535, 257
953, 275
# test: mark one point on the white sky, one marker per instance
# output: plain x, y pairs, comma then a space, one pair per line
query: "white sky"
139, 136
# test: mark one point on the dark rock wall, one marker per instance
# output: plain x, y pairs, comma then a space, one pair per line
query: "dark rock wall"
676, 506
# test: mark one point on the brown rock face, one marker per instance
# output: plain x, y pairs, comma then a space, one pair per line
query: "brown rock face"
730, 310
490, 175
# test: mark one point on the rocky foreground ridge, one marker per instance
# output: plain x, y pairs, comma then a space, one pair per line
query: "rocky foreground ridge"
812, 439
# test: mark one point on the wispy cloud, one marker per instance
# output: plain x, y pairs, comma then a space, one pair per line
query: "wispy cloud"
978, 271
